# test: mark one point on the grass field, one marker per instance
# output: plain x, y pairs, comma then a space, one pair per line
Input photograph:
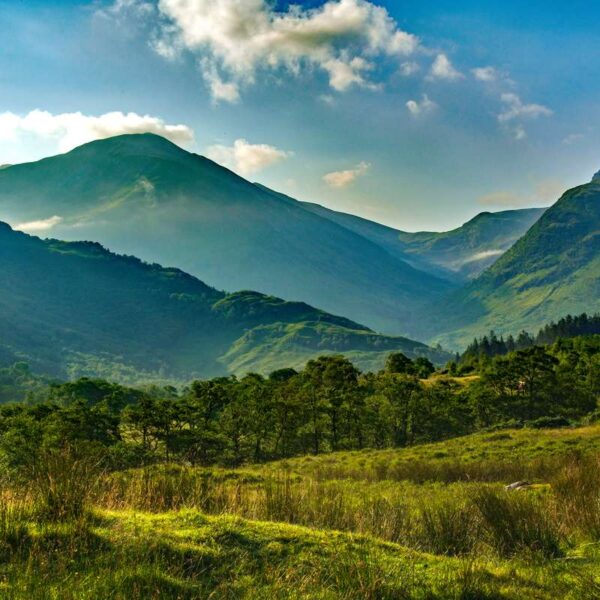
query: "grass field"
427, 522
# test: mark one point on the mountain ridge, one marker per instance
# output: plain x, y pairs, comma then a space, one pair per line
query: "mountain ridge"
142, 195
551, 271
75, 308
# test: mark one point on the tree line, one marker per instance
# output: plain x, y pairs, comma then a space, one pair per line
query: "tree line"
491, 345
328, 406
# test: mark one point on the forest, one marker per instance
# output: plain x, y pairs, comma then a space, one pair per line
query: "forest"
328, 406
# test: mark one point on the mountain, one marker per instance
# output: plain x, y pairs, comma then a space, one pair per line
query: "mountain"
457, 255
74, 308
553, 270
467, 251
143, 195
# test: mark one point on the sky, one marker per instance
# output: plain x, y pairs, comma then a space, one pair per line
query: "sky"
416, 114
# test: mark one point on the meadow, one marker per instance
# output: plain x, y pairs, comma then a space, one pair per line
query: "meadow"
429, 521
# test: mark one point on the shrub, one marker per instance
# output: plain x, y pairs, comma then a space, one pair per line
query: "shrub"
549, 423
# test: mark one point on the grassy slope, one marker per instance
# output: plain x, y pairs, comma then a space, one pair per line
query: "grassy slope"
339, 553
186, 555
505, 446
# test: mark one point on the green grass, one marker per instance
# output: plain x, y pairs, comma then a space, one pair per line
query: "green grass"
508, 452
185, 555
332, 527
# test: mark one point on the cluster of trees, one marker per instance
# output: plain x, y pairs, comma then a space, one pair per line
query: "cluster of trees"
328, 406
492, 345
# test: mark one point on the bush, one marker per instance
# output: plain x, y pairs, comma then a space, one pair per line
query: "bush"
549, 423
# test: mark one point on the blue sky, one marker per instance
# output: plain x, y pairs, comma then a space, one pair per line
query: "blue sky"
416, 114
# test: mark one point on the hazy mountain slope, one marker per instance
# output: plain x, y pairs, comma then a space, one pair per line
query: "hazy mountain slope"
142, 195
458, 255
72, 308
468, 250
552, 271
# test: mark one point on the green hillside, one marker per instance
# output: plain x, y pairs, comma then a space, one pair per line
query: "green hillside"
552, 271
143, 195
74, 308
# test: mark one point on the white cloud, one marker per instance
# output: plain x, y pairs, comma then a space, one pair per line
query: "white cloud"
41, 225
246, 158
327, 99
417, 108
341, 179
73, 129
516, 109
409, 68
442, 68
235, 38
486, 74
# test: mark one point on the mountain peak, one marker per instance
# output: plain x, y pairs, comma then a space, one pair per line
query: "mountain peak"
596, 177
149, 144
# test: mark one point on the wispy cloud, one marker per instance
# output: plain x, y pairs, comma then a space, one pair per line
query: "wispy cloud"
40, 225
546, 191
246, 158
515, 108
342, 179
74, 129
486, 74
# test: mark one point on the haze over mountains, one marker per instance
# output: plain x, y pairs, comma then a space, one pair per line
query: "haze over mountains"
74, 309
144, 196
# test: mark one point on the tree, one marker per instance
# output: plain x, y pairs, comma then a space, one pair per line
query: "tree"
399, 363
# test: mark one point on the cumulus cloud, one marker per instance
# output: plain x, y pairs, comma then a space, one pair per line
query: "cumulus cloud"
246, 158
234, 39
39, 226
73, 129
442, 68
417, 108
515, 108
341, 179
486, 74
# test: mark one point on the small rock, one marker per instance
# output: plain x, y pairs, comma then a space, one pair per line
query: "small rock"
517, 485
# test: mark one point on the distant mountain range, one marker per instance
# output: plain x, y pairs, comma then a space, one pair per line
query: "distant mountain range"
74, 308
142, 195
457, 255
